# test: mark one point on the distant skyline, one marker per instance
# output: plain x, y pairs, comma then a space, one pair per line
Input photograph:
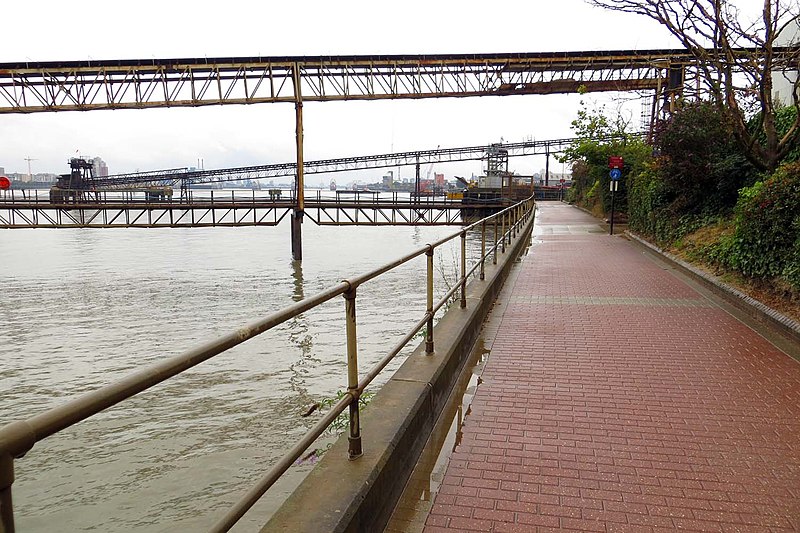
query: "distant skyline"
230, 136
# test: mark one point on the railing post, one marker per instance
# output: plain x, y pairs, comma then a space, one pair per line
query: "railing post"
496, 242
6, 481
429, 327
512, 215
483, 248
354, 448
463, 269
503, 231
513, 223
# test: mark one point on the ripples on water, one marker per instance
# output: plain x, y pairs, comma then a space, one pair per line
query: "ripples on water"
83, 308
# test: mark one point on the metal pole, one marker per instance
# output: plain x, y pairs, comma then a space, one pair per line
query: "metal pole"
514, 219
503, 231
416, 183
429, 327
547, 165
613, 190
483, 248
354, 439
464, 269
494, 259
297, 216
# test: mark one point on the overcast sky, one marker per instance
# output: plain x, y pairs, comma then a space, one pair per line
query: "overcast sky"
225, 136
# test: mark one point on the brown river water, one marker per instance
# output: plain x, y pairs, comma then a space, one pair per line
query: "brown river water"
82, 308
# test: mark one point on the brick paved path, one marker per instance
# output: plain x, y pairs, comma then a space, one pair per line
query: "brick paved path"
617, 398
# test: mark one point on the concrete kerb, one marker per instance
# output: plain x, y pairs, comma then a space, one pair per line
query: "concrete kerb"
752, 307
360, 495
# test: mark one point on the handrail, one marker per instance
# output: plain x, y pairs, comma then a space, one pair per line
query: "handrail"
17, 438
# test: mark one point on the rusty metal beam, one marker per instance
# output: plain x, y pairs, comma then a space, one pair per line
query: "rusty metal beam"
138, 84
574, 86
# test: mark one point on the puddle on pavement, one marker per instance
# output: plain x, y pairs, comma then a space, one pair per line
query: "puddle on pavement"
412, 509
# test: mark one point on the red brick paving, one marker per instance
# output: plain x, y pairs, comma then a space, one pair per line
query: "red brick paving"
617, 398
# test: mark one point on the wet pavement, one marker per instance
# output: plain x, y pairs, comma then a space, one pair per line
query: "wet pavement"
616, 397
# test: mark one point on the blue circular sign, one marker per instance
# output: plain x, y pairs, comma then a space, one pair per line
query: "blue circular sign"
615, 174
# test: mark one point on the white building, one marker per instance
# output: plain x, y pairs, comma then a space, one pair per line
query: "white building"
783, 82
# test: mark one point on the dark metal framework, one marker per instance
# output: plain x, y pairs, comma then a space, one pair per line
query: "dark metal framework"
233, 210
120, 200
145, 83
342, 164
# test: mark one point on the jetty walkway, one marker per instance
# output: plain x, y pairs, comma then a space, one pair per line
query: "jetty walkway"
618, 397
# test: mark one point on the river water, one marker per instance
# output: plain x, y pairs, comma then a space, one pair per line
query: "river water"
82, 308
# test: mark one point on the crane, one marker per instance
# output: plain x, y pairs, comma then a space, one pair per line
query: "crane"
427, 176
430, 169
29, 159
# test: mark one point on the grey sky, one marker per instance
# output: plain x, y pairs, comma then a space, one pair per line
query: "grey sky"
128, 140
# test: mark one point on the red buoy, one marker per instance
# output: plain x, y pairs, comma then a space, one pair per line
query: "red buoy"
5, 183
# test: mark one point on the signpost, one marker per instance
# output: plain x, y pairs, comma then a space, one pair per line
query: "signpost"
615, 163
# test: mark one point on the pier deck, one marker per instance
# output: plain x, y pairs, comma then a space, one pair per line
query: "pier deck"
616, 397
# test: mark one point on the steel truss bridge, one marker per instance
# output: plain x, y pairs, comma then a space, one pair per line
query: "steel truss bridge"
120, 201
240, 208
180, 176
29, 87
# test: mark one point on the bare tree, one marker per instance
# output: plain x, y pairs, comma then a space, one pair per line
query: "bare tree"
736, 61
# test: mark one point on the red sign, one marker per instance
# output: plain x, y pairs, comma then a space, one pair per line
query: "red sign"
615, 161
5, 183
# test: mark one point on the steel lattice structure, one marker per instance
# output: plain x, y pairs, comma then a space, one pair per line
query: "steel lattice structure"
120, 84
241, 210
342, 164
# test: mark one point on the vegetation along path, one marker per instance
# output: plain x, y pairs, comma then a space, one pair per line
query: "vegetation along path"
618, 398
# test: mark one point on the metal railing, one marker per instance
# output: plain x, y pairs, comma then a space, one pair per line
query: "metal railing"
17, 438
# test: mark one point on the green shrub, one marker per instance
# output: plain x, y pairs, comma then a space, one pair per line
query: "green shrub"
792, 269
766, 242
646, 200
701, 165
784, 120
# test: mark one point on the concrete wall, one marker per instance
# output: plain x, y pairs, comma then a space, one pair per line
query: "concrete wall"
359, 496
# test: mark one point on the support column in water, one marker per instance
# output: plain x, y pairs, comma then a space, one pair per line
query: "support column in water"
297, 235
297, 216
546, 165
